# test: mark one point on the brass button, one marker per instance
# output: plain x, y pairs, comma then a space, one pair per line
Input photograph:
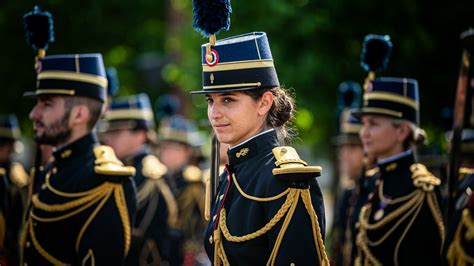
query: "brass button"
25, 264
55, 170
210, 240
28, 244
43, 187
214, 218
292, 264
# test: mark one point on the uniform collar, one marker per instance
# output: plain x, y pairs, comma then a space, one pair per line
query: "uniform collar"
399, 161
76, 148
250, 148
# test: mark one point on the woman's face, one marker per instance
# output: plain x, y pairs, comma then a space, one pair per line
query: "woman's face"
235, 116
380, 137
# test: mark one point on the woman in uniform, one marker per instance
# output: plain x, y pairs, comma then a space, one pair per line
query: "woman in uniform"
401, 224
269, 207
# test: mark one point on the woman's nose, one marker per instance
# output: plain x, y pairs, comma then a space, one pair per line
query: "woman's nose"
214, 112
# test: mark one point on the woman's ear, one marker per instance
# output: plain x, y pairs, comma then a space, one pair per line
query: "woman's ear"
405, 132
265, 103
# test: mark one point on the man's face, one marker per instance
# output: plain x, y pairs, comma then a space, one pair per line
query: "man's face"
125, 142
51, 120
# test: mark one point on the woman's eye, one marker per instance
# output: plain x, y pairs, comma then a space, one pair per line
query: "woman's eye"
209, 100
228, 100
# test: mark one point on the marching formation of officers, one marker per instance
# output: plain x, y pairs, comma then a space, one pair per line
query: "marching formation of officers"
110, 188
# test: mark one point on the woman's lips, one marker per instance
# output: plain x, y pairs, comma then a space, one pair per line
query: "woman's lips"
221, 126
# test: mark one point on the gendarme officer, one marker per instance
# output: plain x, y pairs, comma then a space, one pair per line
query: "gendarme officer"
13, 181
402, 223
129, 127
84, 201
269, 207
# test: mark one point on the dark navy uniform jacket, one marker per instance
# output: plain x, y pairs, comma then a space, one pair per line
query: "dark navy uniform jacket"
13, 202
411, 236
346, 218
459, 247
252, 163
186, 234
149, 237
83, 212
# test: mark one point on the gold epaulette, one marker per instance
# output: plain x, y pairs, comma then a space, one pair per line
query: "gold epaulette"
18, 175
466, 171
106, 163
153, 168
192, 174
288, 162
422, 178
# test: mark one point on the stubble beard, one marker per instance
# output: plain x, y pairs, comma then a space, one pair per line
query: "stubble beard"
55, 134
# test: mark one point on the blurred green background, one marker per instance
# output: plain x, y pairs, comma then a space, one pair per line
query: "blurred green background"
315, 44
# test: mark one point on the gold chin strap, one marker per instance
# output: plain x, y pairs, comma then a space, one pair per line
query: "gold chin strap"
286, 210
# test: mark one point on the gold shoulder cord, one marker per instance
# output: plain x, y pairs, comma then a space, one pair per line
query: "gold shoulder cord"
286, 210
457, 255
411, 205
154, 170
79, 202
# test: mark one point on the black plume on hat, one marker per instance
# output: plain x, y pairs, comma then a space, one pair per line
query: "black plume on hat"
166, 106
211, 16
376, 51
39, 28
349, 95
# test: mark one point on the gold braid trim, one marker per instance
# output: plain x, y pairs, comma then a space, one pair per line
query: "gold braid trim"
247, 196
318, 237
104, 188
73, 195
361, 240
91, 217
220, 258
436, 211
284, 226
397, 247
289, 206
456, 254
170, 202
40, 249
121, 203
281, 212
67, 215
426, 183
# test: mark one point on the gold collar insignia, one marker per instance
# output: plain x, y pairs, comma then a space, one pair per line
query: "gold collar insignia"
66, 154
391, 167
242, 152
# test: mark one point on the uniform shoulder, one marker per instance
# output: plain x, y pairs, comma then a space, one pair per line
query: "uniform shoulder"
192, 173
422, 178
107, 163
18, 175
372, 171
290, 167
152, 167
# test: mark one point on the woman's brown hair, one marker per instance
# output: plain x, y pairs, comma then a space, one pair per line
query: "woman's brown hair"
281, 113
